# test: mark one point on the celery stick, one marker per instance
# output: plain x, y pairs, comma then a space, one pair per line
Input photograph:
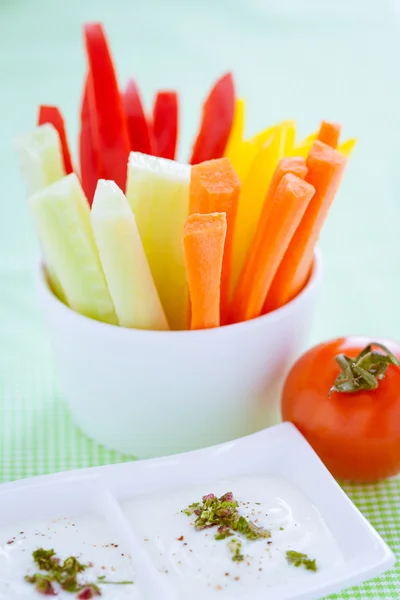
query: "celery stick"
158, 193
124, 262
62, 217
40, 157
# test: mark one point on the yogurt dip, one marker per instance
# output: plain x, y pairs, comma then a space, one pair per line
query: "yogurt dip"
86, 537
199, 566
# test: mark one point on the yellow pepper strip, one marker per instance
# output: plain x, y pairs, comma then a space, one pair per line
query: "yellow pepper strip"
304, 147
263, 136
241, 157
347, 147
310, 138
254, 190
237, 132
302, 150
242, 152
246, 151
288, 137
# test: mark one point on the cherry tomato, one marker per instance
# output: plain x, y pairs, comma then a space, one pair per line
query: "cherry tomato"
357, 435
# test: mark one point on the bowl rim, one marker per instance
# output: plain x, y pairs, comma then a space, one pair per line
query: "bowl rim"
68, 315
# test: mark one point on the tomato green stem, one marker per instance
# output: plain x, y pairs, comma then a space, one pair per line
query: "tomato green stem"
364, 371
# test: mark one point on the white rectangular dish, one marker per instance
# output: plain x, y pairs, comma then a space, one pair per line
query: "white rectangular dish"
130, 516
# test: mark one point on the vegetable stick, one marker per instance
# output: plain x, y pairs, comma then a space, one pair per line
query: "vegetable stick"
254, 190
203, 243
216, 122
241, 156
310, 138
329, 133
111, 135
288, 129
40, 157
62, 217
347, 147
165, 123
139, 128
124, 262
158, 194
279, 221
244, 152
52, 114
301, 151
88, 157
263, 136
304, 147
238, 126
215, 187
325, 170
295, 165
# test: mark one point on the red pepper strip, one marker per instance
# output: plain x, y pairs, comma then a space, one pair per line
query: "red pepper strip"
90, 168
216, 121
165, 123
112, 133
139, 129
52, 114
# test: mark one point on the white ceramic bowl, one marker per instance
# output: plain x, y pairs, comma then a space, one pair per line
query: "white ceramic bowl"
153, 393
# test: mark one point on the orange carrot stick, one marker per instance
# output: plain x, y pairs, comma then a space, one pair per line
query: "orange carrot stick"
295, 165
203, 245
282, 217
329, 133
325, 171
215, 187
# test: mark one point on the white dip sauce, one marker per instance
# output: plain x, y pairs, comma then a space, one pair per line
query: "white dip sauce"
201, 567
86, 537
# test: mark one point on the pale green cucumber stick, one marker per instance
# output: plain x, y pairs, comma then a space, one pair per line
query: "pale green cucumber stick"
62, 216
124, 262
40, 158
158, 193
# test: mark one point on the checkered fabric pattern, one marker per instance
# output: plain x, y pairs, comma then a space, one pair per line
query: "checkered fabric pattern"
37, 435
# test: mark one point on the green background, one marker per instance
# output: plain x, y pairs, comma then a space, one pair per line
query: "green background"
307, 60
